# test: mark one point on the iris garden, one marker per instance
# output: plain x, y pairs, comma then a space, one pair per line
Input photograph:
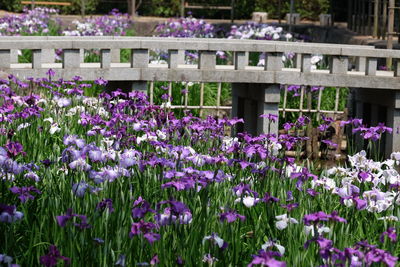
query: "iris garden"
105, 179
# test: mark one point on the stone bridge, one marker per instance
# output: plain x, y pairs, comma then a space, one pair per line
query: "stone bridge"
256, 90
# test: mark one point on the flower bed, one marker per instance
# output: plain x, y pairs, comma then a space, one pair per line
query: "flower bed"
111, 180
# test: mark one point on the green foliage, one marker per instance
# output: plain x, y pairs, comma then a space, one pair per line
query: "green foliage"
170, 8
307, 8
10, 5
75, 8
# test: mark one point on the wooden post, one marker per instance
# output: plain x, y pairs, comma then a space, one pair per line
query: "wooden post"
363, 17
384, 19
309, 148
291, 14
182, 8
232, 10
83, 7
279, 11
376, 18
390, 30
350, 6
359, 15
369, 32
132, 7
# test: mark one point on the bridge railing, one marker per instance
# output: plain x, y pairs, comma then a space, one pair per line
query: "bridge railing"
256, 90
340, 70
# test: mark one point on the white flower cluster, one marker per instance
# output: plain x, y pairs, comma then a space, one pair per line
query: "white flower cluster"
366, 184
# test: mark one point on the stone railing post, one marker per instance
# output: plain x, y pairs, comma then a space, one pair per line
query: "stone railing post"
371, 66
5, 59
105, 58
339, 64
48, 55
268, 104
140, 59
305, 66
396, 67
115, 55
361, 63
325, 20
207, 60
176, 57
241, 60
14, 56
71, 58
395, 142
273, 61
37, 59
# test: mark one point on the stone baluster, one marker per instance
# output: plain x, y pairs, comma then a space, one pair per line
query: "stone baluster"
105, 58
339, 64
71, 58
5, 58
273, 61
305, 66
371, 66
361, 63
268, 104
115, 55
176, 57
241, 60
207, 60
140, 59
37, 59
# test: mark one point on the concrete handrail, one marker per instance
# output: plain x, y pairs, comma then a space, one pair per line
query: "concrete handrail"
367, 74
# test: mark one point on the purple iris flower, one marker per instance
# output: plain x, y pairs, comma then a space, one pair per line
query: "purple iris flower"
320, 216
9, 214
176, 212
14, 149
144, 228
266, 258
24, 193
231, 216
312, 192
106, 203
291, 206
270, 117
52, 257
62, 220
289, 196
79, 189
268, 198
140, 208
100, 81
390, 233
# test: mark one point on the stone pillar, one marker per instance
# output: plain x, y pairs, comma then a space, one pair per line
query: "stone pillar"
268, 103
259, 17
14, 56
393, 114
386, 109
250, 101
325, 20
293, 19
48, 55
140, 59
115, 55
5, 59
361, 63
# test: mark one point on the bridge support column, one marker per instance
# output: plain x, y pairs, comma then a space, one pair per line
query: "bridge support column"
374, 110
394, 145
250, 101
